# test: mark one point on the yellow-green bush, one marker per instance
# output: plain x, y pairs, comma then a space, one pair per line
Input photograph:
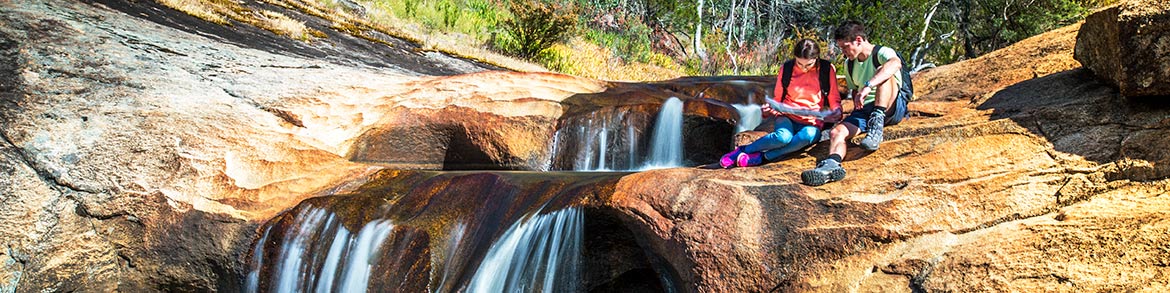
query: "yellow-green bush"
536, 26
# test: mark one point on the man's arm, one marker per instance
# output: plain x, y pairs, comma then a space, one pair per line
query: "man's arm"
887, 70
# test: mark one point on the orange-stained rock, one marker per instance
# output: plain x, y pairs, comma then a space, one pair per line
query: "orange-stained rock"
1121, 45
140, 158
748, 137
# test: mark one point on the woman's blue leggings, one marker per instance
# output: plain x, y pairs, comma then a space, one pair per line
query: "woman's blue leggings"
788, 137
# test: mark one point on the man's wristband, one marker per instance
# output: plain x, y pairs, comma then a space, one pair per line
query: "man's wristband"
867, 84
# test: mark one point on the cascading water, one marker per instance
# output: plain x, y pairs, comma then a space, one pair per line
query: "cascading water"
604, 140
538, 254
749, 116
666, 142
346, 264
609, 139
448, 232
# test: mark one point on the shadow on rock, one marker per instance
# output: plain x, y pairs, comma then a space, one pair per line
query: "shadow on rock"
1084, 116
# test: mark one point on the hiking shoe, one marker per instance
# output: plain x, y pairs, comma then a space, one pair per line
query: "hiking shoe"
728, 160
827, 171
873, 136
749, 159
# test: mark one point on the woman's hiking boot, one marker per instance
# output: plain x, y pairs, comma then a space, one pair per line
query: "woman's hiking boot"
873, 136
827, 170
750, 159
728, 160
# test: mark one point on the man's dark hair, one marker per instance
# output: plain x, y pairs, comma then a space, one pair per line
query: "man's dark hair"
807, 49
849, 30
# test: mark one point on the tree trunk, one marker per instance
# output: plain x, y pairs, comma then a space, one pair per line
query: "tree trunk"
965, 28
729, 26
698, 39
920, 46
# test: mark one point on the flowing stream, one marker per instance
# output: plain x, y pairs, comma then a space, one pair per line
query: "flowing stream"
610, 139
539, 254
448, 231
321, 256
470, 231
749, 116
666, 150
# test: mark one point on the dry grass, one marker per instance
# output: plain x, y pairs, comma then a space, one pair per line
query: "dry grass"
282, 25
197, 8
224, 11
586, 59
580, 57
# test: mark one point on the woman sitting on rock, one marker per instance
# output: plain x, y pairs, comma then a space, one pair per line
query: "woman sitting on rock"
806, 97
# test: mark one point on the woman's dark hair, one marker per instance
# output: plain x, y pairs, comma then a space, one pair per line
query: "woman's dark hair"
807, 49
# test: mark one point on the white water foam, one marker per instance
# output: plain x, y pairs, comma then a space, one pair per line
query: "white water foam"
666, 148
537, 254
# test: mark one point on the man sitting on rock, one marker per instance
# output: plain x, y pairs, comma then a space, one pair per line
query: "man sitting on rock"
874, 74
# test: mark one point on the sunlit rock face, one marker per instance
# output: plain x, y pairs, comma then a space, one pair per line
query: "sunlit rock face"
138, 157
540, 121
1122, 45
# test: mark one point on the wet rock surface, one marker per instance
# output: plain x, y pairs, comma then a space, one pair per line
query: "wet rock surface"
138, 157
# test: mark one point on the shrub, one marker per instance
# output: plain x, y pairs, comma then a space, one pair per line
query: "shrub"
536, 26
557, 58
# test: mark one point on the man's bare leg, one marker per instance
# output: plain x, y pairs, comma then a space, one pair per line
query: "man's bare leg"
885, 93
839, 135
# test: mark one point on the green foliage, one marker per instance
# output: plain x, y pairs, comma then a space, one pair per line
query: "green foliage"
475, 18
958, 29
556, 59
631, 44
535, 26
995, 24
754, 37
410, 7
450, 13
894, 24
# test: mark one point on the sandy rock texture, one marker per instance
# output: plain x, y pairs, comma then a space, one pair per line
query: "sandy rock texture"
1005, 178
141, 157
1126, 44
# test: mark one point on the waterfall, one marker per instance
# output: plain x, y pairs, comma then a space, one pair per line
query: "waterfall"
416, 231
749, 117
537, 254
347, 259
666, 142
361, 254
602, 140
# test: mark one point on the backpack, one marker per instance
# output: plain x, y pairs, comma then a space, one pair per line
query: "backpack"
824, 68
907, 89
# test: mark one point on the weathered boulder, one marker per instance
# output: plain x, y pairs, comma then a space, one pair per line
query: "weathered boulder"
137, 157
497, 120
1126, 44
1037, 181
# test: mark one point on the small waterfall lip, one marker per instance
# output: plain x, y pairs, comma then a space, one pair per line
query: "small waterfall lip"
539, 252
610, 139
293, 257
666, 142
347, 261
750, 116
454, 243
363, 251
252, 282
